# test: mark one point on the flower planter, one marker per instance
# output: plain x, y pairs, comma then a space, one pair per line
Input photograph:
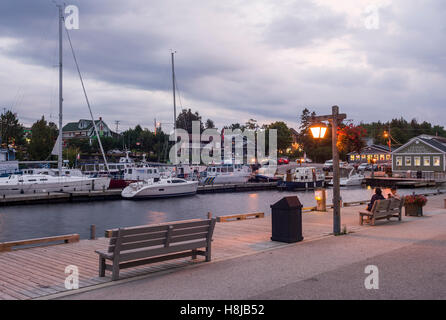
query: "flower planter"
413, 210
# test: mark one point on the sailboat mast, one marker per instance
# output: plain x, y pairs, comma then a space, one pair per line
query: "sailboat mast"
173, 87
59, 158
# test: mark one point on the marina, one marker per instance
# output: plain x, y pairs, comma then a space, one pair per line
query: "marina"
221, 151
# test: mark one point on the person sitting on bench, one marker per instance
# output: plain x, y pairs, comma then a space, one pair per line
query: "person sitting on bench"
377, 196
393, 194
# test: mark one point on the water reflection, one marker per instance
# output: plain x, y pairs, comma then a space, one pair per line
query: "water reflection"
22, 222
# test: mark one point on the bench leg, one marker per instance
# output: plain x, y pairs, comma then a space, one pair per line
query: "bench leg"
208, 253
115, 272
194, 254
372, 221
361, 219
101, 266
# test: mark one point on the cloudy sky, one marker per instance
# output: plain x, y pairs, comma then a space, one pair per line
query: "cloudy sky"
235, 60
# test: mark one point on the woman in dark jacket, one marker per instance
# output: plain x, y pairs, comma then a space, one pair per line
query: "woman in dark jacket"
377, 196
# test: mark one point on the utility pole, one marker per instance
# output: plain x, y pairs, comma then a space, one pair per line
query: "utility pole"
335, 118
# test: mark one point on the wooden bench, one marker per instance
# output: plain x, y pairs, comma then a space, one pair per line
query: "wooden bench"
135, 246
382, 209
242, 216
67, 238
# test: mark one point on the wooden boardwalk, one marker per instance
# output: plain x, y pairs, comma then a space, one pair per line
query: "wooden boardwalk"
38, 272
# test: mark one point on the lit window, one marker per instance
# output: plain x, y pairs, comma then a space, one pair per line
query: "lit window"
426, 161
408, 161
399, 161
358, 157
417, 161
363, 157
352, 157
388, 156
381, 157
436, 161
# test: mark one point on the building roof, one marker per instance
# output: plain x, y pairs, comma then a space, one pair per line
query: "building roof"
74, 126
438, 143
377, 147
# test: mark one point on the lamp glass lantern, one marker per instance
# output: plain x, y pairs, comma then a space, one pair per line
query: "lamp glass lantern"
318, 130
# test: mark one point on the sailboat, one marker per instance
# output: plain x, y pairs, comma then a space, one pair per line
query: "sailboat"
57, 181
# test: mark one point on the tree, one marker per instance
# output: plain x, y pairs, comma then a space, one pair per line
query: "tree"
185, 118
251, 124
43, 138
11, 130
209, 124
318, 150
350, 139
284, 136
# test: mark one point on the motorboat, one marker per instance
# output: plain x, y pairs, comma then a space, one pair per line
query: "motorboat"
353, 179
160, 188
225, 174
302, 178
36, 183
267, 171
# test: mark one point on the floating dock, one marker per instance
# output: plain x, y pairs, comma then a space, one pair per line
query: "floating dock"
115, 194
401, 182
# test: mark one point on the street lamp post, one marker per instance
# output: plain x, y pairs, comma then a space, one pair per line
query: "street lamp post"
318, 132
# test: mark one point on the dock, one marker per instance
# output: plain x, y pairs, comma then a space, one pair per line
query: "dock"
115, 194
401, 182
40, 272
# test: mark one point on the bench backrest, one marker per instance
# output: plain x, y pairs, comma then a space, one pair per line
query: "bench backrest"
381, 208
160, 236
396, 205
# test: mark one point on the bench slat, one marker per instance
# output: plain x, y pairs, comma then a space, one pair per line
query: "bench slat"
141, 254
151, 228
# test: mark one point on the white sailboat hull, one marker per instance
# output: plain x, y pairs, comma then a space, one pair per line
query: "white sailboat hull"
159, 190
55, 184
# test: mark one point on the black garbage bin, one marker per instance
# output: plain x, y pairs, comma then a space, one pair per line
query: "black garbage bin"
286, 216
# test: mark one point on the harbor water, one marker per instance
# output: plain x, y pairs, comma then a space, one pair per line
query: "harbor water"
44, 220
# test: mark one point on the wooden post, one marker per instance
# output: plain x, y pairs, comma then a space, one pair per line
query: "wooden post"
336, 186
92, 232
209, 215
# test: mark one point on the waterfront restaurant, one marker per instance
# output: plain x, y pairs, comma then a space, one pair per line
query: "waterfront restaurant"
378, 152
423, 153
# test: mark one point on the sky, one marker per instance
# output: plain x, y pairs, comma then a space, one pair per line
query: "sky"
235, 60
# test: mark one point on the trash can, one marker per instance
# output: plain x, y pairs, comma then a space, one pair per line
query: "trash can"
286, 217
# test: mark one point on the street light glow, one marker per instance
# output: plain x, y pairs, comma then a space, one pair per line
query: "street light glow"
318, 130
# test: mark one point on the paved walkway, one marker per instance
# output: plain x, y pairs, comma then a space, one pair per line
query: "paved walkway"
410, 256
40, 272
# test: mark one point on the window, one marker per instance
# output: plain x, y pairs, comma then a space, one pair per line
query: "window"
417, 161
388, 156
352, 157
399, 161
436, 161
381, 157
363, 156
358, 157
426, 161
408, 161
